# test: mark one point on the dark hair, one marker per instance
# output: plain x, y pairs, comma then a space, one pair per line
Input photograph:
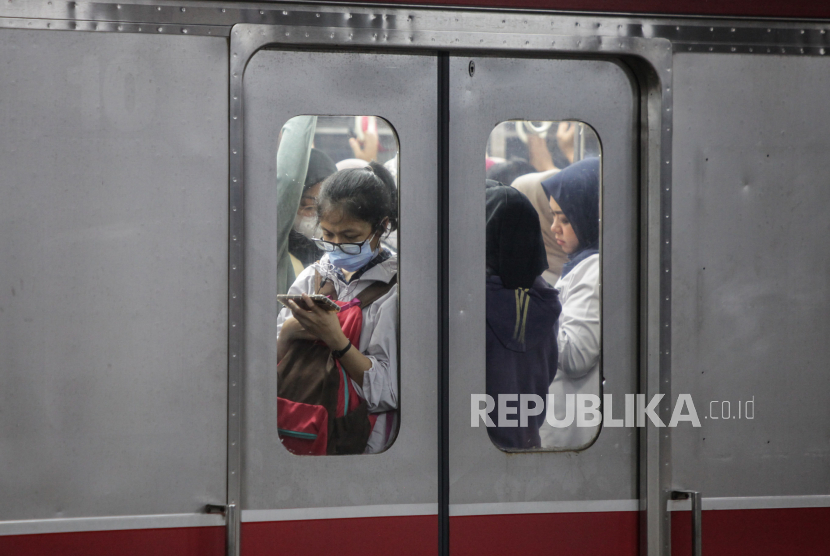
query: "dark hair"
368, 194
506, 172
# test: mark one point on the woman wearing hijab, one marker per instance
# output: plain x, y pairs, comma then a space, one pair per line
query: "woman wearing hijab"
574, 200
521, 310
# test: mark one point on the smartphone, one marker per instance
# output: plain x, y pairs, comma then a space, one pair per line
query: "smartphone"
319, 300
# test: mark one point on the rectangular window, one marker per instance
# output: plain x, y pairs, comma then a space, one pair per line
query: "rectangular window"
337, 269
543, 244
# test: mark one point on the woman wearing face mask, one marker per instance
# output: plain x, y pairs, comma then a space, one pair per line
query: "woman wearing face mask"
355, 208
574, 200
301, 248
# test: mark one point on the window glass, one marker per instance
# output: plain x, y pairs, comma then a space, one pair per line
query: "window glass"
337, 263
543, 285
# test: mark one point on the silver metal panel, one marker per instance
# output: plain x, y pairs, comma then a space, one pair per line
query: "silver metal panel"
750, 273
692, 34
402, 89
113, 273
604, 95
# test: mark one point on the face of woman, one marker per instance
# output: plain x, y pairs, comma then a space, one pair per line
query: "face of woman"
342, 228
562, 229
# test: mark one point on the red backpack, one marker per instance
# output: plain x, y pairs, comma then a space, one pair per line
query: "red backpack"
318, 409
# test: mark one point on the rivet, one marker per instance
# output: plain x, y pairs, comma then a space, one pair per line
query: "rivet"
711, 49
802, 31
48, 25
821, 51
316, 15
732, 30
690, 49
184, 10
160, 29
332, 36
139, 29
802, 50
734, 49
184, 30
287, 33
223, 10
712, 29
306, 34
750, 49
159, 8
261, 12
769, 30
677, 28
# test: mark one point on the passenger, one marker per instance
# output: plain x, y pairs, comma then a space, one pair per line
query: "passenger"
521, 310
531, 186
506, 172
355, 207
293, 154
303, 251
574, 200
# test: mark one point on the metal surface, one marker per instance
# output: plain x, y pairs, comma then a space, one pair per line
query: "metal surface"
690, 34
278, 85
697, 517
603, 95
750, 274
113, 257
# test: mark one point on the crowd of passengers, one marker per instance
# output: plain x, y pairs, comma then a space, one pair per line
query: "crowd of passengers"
337, 369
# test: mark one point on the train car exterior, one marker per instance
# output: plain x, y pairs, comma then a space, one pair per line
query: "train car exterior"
138, 272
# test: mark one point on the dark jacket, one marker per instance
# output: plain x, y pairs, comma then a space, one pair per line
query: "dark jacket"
521, 352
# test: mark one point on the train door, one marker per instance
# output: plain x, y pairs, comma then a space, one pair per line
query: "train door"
301, 502
571, 499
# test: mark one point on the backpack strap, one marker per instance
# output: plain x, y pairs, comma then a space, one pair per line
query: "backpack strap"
327, 288
375, 291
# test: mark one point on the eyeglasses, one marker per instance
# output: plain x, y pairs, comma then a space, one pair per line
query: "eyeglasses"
347, 248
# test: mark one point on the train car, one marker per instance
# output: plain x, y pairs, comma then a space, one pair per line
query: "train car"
140, 267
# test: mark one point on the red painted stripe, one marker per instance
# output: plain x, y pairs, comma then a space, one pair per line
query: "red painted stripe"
802, 531
363, 536
563, 534
751, 8
185, 541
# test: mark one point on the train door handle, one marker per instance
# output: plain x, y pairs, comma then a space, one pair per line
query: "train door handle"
697, 517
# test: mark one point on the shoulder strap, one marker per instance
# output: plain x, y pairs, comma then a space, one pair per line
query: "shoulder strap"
327, 288
375, 291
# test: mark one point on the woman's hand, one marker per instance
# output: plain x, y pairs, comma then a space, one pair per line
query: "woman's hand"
317, 323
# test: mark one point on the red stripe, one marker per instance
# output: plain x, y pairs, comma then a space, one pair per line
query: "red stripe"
401, 536
752, 8
565, 534
185, 541
802, 531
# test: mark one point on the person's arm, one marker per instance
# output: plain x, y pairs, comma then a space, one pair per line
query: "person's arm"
292, 164
579, 326
379, 386
324, 325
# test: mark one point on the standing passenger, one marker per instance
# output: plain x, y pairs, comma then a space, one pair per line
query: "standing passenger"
521, 310
356, 207
574, 200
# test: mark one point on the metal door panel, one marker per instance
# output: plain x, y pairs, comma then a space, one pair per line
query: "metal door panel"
602, 94
402, 89
113, 274
750, 267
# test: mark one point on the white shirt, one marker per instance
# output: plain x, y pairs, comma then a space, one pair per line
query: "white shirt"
579, 350
378, 338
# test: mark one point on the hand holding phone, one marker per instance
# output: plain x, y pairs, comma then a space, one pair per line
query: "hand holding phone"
319, 300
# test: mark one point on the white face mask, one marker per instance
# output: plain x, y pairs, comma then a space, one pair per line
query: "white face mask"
307, 225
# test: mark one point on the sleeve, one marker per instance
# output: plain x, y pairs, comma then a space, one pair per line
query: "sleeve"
579, 330
292, 164
380, 335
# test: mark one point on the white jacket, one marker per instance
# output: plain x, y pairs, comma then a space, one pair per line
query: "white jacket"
579, 351
378, 339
